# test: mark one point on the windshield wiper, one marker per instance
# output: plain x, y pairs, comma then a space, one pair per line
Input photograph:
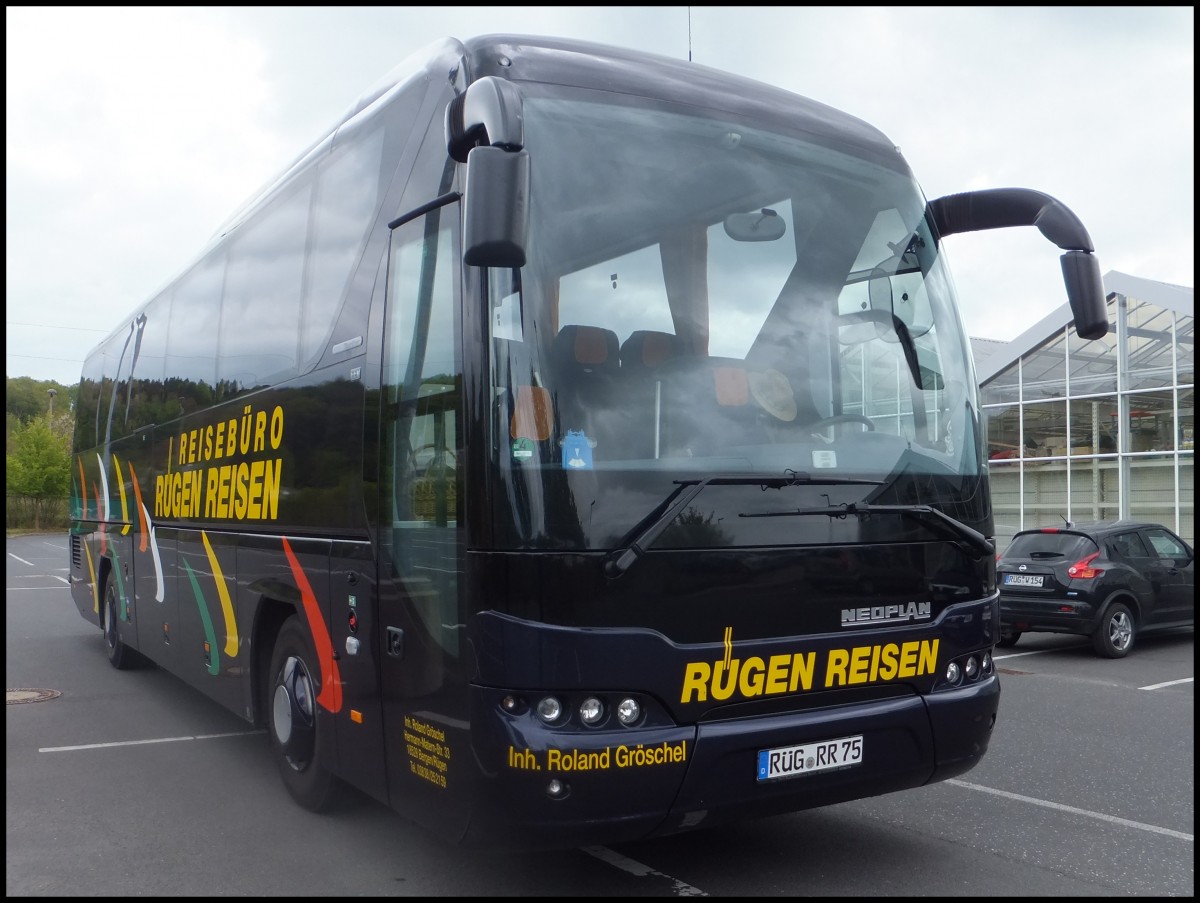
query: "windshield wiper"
966, 538
642, 536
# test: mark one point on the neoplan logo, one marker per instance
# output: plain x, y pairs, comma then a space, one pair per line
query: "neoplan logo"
875, 614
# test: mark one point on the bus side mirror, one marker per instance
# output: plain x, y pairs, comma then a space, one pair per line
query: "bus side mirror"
485, 128
998, 208
496, 209
1085, 291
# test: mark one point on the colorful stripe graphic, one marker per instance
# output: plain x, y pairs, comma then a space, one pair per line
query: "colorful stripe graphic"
330, 697
231, 631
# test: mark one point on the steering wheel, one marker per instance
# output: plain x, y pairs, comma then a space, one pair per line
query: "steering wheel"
842, 418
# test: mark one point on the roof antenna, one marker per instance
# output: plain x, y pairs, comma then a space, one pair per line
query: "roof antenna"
689, 34
1066, 523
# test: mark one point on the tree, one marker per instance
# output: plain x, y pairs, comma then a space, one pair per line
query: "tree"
38, 466
27, 397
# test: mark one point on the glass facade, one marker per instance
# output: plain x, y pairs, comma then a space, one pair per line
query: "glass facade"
1097, 430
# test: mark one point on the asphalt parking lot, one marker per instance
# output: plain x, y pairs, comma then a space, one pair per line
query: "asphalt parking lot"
131, 783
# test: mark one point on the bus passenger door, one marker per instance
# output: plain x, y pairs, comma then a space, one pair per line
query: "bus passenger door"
424, 687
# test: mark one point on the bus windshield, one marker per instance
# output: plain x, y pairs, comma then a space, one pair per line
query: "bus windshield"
704, 297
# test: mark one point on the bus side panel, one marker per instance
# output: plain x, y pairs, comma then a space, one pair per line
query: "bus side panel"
353, 628
119, 551
155, 598
432, 769
85, 569
210, 652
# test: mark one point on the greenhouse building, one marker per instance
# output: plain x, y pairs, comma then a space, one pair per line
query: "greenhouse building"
1083, 430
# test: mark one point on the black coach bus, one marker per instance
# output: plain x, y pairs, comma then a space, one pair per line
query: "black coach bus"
572, 446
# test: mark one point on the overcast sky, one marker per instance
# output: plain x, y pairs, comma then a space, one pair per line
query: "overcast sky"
133, 133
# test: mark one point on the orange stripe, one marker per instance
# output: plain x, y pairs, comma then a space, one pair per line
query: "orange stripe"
330, 697
141, 509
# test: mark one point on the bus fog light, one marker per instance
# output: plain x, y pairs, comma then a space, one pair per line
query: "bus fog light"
987, 663
591, 710
510, 704
557, 789
629, 711
972, 668
549, 709
953, 673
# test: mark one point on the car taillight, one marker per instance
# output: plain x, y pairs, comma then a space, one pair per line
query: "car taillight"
1082, 569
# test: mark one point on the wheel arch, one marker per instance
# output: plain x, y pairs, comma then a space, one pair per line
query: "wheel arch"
269, 619
103, 572
1126, 598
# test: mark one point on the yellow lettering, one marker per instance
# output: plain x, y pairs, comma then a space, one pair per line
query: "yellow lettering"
210, 492
260, 431
835, 666
908, 659
254, 507
241, 476
887, 661
928, 663
271, 476
777, 675
751, 680
696, 680
803, 667
859, 660
724, 691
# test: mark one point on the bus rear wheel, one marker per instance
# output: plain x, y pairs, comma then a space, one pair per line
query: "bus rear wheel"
292, 718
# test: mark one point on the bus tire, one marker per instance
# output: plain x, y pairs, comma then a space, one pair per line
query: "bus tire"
1116, 633
1008, 638
120, 656
292, 718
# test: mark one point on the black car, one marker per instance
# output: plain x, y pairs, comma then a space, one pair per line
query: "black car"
1108, 580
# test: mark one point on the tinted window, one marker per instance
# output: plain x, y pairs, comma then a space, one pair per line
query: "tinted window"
260, 311
1050, 546
1129, 545
348, 188
1166, 545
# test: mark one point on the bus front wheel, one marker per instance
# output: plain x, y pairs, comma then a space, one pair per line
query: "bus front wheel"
292, 718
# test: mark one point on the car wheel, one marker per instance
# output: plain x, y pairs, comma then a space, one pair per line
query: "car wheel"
292, 718
1116, 633
120, 656
1008, 638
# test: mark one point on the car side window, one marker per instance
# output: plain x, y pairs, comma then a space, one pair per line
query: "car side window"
1129, 545
1166, 546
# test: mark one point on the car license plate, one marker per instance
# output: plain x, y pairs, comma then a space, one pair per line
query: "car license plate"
790, 761
1022, 580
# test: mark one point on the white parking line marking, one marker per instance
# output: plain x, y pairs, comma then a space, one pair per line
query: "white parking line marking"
1000, 658
49, 749
22, 560
1169, 683
1084, 812
642, 871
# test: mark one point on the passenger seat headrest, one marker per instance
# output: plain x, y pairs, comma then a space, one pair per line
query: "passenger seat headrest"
587, 347
647, 349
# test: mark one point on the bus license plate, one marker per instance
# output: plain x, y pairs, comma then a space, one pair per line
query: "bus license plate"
790, 761
1022, 580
